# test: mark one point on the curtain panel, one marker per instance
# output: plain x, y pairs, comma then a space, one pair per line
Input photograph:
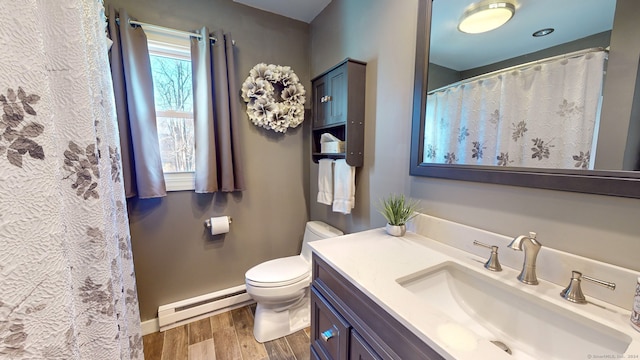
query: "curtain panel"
216, 114
133, 90
544, 116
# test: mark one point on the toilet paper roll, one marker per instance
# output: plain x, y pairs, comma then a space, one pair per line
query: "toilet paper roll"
219, 225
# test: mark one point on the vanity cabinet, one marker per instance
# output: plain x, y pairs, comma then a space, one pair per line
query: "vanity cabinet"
347, 324
331, 329
360, 349
338, 109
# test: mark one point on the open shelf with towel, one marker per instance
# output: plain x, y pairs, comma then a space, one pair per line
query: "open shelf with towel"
338, 109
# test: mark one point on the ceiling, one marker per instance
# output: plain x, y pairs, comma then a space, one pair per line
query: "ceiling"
303, 10
571, 19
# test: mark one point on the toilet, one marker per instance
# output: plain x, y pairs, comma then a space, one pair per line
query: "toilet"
280, 287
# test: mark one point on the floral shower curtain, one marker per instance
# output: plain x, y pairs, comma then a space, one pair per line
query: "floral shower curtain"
544, 115
66, 270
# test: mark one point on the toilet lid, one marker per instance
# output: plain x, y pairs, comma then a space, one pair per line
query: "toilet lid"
279, 272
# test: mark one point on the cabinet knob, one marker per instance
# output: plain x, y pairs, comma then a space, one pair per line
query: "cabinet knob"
328, 334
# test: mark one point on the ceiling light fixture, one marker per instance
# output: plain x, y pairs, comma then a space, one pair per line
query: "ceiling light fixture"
543, 32
485, 16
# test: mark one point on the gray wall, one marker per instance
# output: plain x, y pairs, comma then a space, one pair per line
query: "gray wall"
381, 33
625, 49
176, 259
632, 150
597, 40
440, 76
599, 227
174, 256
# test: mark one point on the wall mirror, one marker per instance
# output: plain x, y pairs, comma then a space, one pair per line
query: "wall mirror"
511, 108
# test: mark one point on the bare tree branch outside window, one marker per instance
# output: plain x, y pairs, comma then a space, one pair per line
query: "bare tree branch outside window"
174, 110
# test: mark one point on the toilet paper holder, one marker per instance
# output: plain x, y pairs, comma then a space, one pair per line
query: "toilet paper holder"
207, 223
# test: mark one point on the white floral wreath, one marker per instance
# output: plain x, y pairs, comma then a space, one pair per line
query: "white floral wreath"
275, 98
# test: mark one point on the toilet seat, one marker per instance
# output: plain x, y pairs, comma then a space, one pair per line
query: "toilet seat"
278, 272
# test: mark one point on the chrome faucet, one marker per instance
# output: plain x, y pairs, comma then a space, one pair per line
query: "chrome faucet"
531, 247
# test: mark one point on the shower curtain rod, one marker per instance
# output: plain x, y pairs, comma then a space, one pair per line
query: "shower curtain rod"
167, 30
482, 76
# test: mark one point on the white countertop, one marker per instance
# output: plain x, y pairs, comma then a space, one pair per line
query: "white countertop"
373, 261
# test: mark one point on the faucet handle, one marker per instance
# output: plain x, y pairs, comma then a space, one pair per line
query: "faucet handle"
493, 263
532, 235
573, 291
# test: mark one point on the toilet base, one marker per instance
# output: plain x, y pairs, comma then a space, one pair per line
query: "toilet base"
271, 323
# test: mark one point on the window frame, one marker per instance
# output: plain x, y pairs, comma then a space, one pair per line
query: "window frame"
161, 44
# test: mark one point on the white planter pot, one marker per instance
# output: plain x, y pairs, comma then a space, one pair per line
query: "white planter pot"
396, 230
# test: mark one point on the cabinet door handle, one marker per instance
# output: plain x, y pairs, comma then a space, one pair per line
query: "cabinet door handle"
328, 334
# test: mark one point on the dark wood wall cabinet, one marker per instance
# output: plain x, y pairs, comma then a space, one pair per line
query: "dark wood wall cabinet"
338, 109
347, 324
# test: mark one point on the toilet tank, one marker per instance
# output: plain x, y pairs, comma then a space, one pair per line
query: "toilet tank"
316, 230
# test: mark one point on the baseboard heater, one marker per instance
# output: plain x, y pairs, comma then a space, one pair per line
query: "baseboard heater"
200, 307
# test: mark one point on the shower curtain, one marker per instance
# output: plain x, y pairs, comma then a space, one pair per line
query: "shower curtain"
545, 116
66, 272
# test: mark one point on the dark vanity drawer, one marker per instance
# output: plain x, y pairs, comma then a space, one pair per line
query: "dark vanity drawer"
386, 337
329, 331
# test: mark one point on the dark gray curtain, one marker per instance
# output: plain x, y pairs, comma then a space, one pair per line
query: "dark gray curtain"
216, 114
135, 108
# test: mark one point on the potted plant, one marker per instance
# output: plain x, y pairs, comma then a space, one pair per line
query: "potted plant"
398, 211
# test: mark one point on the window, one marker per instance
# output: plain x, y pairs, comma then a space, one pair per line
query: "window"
172, 87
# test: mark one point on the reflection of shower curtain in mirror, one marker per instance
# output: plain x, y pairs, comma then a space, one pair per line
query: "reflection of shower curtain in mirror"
544, 115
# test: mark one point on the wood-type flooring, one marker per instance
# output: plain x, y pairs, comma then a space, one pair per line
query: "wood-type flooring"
226, 336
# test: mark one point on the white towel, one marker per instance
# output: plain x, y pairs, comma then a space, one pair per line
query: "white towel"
344, 178
325, 181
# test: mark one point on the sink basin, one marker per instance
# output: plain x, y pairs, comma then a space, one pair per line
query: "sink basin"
531, 327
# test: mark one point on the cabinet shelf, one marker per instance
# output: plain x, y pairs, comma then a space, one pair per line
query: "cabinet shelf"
318, 156
338, 109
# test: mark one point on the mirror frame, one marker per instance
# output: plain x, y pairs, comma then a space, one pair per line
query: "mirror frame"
612, 183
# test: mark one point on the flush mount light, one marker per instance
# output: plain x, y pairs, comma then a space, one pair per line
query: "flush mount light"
543, 32
485, 16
